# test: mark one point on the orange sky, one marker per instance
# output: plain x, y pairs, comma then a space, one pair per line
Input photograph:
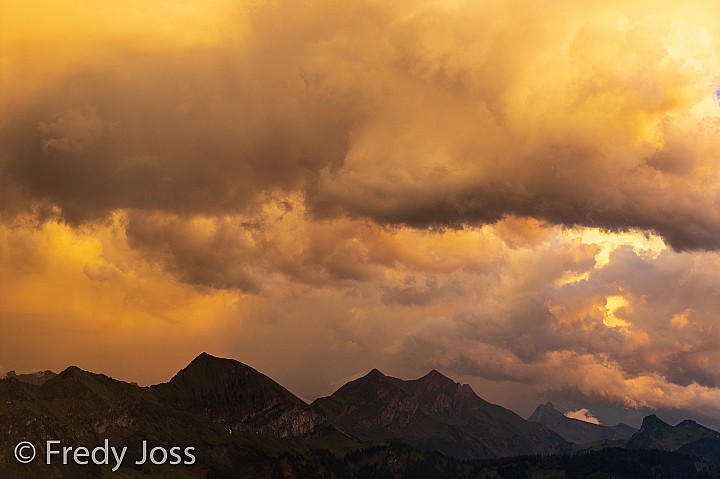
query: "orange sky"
523, 196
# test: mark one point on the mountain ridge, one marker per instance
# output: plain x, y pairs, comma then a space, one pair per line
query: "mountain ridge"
687, 437
239, 397
241, 420
434, 413
577, 431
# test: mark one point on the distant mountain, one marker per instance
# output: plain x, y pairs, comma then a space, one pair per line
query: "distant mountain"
576, 431
657, 434
687, 437
434, 413
37, 378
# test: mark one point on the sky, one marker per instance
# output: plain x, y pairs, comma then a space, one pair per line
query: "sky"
524, 196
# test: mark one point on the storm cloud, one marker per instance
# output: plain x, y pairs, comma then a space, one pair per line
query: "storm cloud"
523, 196
421, 114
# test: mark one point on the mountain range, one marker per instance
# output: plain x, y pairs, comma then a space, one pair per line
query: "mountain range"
577, 431
241, 423
687, 437
434, 413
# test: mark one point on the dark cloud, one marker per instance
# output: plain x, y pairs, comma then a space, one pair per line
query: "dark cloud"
214, 254
195, 133
421, 292
365, 111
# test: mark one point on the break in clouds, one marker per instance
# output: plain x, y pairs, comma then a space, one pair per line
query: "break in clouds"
515, 194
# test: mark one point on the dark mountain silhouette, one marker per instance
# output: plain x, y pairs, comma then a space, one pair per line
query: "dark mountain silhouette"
576, 431
243, 424
687, 437
238, 397
237, 418
434, 413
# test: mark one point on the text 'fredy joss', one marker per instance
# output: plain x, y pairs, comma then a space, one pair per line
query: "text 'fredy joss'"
108, 454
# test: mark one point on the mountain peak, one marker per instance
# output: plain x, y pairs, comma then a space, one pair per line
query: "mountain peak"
653, 421
204, 358
207, 372
72, 372
434, 375
239, 397
434, 412
546, 412
375, 376
687, 436
206, 365
433, 380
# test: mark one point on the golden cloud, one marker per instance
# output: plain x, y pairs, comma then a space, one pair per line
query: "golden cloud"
520, 193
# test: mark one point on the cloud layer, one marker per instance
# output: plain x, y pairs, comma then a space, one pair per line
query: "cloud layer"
518, 195
419, 113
